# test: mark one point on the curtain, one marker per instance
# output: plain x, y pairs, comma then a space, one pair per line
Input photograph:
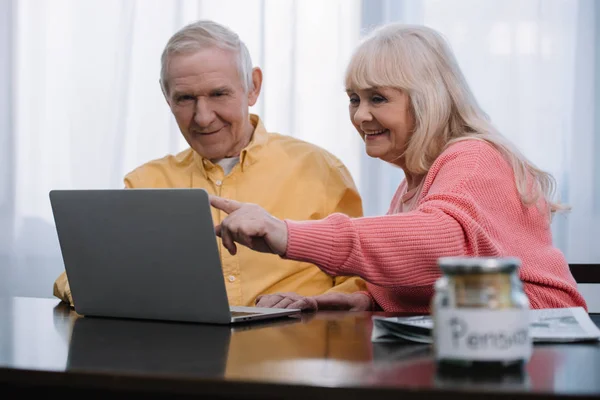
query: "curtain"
6, 144
80, 102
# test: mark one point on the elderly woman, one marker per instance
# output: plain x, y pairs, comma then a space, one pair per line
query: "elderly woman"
467, 190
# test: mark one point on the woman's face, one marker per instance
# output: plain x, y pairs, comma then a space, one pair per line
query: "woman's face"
383, 118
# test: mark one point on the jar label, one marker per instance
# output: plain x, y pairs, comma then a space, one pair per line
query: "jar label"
482, 334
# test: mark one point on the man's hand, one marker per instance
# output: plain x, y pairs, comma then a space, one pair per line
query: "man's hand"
330, 301
251, 226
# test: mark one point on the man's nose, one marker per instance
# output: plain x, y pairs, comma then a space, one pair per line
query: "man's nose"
203, 114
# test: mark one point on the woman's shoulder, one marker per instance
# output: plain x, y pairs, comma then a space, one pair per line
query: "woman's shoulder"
470, 145
472, 152
468, 161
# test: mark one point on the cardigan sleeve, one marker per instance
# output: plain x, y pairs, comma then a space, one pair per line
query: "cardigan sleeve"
402, 249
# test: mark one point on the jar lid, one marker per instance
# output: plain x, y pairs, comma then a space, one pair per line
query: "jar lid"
482, 265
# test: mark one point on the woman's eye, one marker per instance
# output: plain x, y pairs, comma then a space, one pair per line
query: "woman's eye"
377, 99
354, 101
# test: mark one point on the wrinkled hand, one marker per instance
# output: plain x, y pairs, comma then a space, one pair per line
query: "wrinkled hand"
249, 225
329, 301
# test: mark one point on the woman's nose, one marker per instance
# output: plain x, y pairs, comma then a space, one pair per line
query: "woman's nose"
362, 114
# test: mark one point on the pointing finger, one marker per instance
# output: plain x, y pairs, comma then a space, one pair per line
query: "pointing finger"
222, 204
227, 240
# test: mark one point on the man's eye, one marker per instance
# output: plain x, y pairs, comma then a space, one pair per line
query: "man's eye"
184, 98
218, 94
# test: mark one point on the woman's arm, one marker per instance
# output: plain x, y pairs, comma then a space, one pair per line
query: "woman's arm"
402, 249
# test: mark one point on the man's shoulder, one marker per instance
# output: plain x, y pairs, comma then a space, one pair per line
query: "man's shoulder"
168, 164
298, 148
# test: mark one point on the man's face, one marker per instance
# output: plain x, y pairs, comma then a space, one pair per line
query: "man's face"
209, 103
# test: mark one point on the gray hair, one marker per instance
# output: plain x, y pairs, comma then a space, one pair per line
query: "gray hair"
419, 61
204, 34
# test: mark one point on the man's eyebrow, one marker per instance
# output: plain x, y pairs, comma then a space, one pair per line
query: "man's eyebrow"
178, 93
220, 89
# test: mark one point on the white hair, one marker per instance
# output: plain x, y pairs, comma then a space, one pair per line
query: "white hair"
201, 35
417, 60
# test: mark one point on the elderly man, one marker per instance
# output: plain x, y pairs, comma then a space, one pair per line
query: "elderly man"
209, 84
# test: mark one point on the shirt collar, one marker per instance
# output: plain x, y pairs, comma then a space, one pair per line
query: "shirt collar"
249, 155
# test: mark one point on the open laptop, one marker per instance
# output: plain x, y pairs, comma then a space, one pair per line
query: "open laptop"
147, 254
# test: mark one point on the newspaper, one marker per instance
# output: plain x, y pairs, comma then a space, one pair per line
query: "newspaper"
552, 325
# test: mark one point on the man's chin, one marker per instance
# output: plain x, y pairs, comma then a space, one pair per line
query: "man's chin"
207, 151
214, 157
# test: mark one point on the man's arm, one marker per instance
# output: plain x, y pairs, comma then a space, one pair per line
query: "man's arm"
62, 290
129, 180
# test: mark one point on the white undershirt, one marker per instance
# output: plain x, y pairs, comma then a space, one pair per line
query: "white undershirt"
228, 163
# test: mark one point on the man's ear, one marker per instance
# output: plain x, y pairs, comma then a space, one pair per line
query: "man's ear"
254, 91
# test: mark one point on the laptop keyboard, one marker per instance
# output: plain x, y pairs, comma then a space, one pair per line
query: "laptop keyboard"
242, 313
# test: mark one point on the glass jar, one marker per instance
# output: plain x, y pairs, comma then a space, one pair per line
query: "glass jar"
480, 313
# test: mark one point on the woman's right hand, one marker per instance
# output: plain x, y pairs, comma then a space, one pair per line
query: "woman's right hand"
251, 226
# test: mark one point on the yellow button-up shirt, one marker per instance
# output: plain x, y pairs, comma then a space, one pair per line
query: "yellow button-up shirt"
289, 178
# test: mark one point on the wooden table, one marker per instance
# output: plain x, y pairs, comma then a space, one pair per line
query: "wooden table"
47, 350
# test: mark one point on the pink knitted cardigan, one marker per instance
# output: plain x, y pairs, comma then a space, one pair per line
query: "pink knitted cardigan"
468, 206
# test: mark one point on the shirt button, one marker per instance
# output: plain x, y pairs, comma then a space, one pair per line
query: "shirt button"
218, 182
231, 278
